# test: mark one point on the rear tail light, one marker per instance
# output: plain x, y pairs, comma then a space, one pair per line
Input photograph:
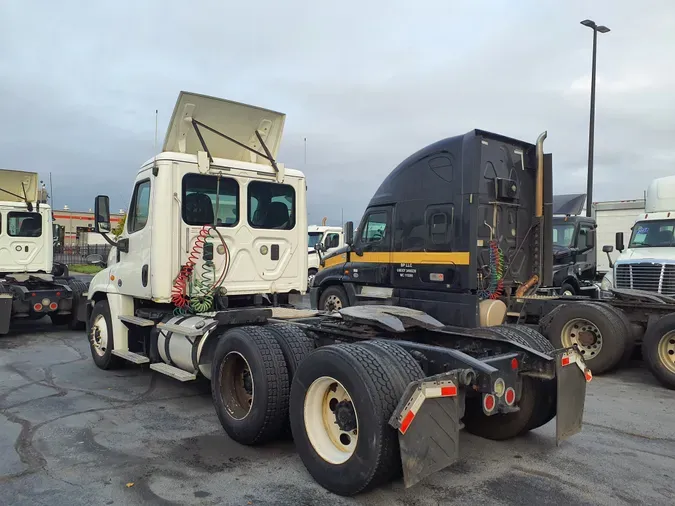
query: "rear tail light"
510, 396
53, 306
37, 307
514, 363
489, 403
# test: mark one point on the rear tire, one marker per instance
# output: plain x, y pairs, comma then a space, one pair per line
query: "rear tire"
545, 390
249, 385
295, 346
600, 334
333, 298
373, 383
658, 350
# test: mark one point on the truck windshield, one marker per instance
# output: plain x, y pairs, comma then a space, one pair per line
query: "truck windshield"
653, 234
314, 238
563, 234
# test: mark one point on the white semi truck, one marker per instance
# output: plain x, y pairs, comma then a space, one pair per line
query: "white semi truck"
368, 392
30, 285
646, 265
321, 240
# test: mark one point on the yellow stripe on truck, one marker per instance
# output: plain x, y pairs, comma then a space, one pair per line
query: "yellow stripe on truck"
404, 257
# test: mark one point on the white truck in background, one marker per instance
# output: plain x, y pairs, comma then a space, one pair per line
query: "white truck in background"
648, 263
610, 217
31, 286
321, 240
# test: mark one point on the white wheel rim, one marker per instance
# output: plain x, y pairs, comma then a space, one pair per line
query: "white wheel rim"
99, 335
333, 303
585, 334
330, 442
568, 293
237, 389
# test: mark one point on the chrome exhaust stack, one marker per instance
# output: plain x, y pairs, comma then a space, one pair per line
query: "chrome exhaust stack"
539, 191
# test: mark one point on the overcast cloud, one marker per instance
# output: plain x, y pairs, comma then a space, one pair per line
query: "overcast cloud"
367, 83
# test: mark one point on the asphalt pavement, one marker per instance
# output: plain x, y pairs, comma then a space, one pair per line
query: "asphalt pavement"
71, 434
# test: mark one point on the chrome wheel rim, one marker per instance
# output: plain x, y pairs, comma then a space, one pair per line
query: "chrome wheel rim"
333, 303
585, 335
99, 335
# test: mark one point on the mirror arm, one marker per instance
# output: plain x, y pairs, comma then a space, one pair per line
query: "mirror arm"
108, 239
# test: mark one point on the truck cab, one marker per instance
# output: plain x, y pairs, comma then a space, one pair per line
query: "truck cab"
213, 222
321, 240
647, 262
574, 256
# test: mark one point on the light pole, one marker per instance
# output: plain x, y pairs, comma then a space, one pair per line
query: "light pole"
591, 126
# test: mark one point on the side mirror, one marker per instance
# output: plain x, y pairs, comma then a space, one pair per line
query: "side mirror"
607, 248
95, 259
590, 239
102, 214
619, 242
348, 231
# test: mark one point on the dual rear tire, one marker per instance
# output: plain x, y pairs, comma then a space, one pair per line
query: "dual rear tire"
337, 399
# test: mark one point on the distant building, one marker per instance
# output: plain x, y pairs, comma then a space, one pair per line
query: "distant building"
79, 226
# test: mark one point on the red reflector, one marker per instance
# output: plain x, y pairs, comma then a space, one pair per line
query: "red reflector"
588, 375
510, 396
407, 420
489, 402
58, 294
33, 294
565, 361
514, 363
53, 306
449, 391
37, 307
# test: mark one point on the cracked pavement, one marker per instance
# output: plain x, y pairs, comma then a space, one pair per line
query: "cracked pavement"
71, 434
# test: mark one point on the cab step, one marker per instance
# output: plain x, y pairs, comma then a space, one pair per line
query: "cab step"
172, 371
179, 329
131, 356
137, 320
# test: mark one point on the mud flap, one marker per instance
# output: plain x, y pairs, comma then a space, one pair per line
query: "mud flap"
428, 420
572, 376
5, 311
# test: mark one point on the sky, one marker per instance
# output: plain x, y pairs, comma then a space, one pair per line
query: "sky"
365, 83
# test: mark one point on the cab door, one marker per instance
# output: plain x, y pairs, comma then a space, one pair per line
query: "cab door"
132, 271
371, 262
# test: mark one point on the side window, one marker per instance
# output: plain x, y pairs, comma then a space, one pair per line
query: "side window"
332, 240
582, 242
271, 205
374, 229
140, 207
203, 194
24, 224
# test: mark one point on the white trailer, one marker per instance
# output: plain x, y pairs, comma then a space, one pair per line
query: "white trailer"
612, 216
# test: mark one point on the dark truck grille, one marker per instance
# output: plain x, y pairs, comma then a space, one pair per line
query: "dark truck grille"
648, 276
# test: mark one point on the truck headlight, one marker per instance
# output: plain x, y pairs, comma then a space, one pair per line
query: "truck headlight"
606, 283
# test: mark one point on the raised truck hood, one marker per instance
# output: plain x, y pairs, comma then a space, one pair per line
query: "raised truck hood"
11, 180
236, 120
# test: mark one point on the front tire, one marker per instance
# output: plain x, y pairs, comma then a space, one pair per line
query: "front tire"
249, 385
658, 350
333, 298
599, 333
568, 290
101, 337
341, 400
